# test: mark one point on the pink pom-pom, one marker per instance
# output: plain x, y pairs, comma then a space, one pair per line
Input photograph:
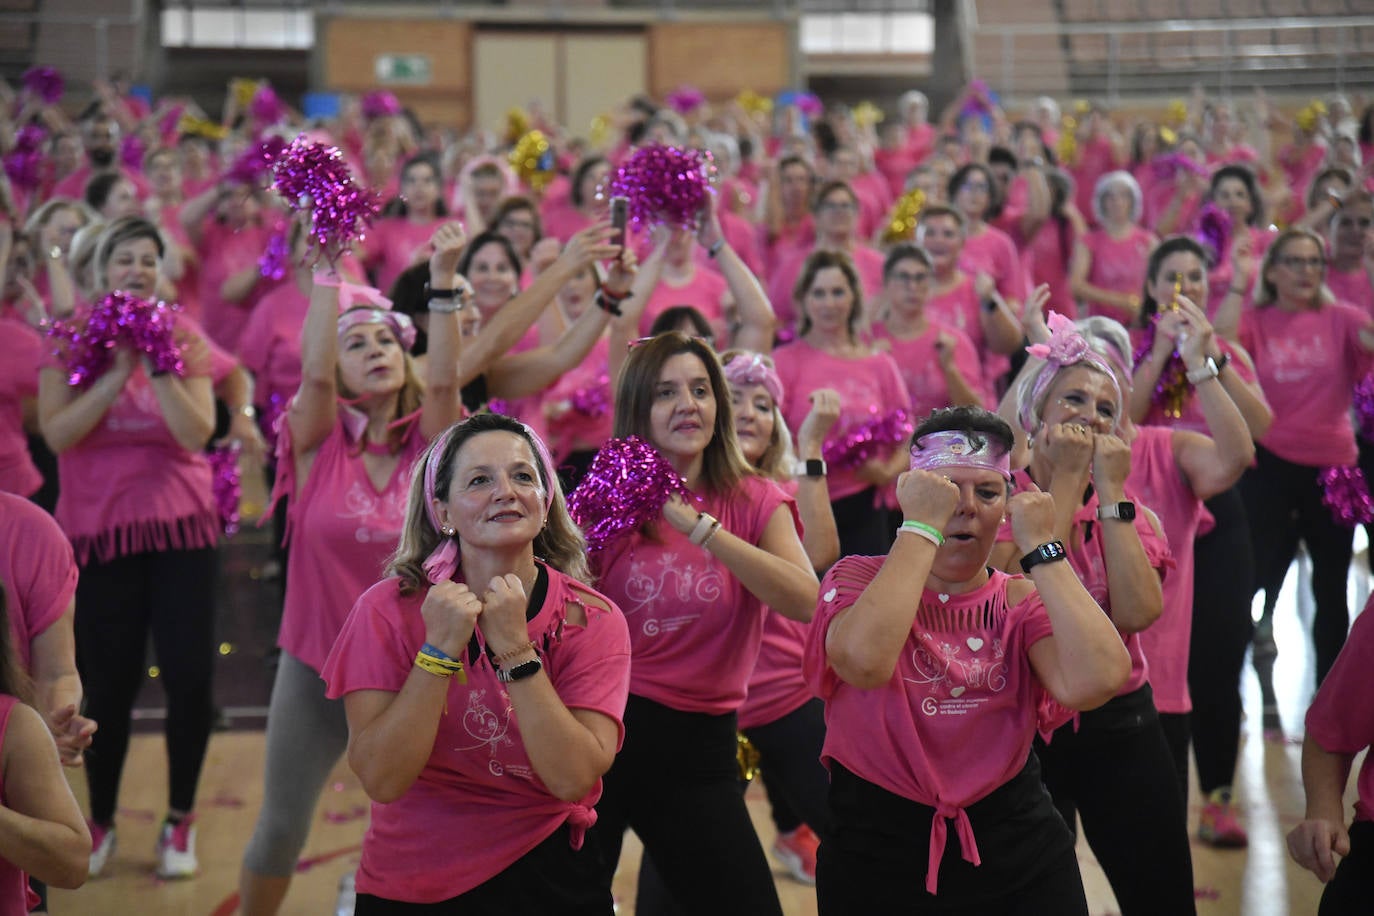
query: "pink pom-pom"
1364, 406
1170, 164
1346, 493
168, 124
380, 104
314, 177
25, 164
1214, 230
665, 185
145, 326
276, 257
686, 99
873, 438
266, 109
256, 161
131, 151
226, 484
628, 484
594, 400
44, 82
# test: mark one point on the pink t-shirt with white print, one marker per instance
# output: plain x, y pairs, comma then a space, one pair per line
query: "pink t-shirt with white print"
694, 627
578, 408
37, 571
1156, 476
919, 364
223, 253
1308, 363
1117, 265
21, 355
271, 347
870, 388
785, 273
1341, 717
957, 717
340, 531
1352, 286
478, 805
994, 253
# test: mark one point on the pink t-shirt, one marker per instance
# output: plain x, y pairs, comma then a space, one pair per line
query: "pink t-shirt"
340, 532
129, 487
394, 244
37, 570
1308, 363
1220, 277
1047, 255
957, 717
870, 388
993, 252
1352, 286
1117, 265
1341, 717
703, 291
270, 347
783, 280
798, 235
1157, 199
1089, 563
585, 392
1096, 157
1155, 475
223, 253
694, 628
74, 185
21, 355
477, 806
743, 236
562, 221
919, 365
16, 898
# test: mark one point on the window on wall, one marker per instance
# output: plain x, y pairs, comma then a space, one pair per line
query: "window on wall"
867, 33
183, 27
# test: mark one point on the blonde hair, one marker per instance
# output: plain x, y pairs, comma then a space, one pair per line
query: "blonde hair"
559, 544
778, 458
409, 400
1266, 293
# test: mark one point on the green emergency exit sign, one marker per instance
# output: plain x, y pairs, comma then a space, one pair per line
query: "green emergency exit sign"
404, 69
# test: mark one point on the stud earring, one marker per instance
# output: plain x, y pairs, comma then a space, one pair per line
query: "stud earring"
447, 531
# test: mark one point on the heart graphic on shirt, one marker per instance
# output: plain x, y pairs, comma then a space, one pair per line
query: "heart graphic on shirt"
974, 643
944, 599
830, 595
957, 692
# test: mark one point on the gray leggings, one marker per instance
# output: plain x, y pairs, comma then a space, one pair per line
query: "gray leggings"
306, 736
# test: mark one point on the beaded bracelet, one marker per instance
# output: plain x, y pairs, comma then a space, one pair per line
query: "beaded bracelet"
921, 529
702, 529
514, 653
715, 529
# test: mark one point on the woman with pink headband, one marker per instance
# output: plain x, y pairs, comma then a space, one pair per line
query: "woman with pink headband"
936, 671
345, 450
1112, 765
484, 683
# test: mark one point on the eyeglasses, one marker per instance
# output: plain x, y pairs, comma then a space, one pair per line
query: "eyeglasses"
518, 224
905, 279
975, 186
837, 206
1295, 263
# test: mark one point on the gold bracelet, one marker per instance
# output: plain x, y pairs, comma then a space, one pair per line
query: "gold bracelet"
507, 656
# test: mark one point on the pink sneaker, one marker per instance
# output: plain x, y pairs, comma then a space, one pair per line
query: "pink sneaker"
1218, 824
797, 851
102, 847
176, 849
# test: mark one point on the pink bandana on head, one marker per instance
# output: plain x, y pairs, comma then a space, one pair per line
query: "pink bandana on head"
750, 369
954, 448
442, 562
360, 304
1065, 348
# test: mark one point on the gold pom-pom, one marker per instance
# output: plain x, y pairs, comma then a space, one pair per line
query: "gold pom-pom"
747, 756
1082, 107
1310, 117
1168, 136
1067, 147
600, 131
532, 158
201, 127
517, 124
754, 103
901, 225
1178, 113
866, 114
244, 89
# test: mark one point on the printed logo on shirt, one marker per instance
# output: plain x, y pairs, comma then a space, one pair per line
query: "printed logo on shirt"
959, 672
135, 410
379, 517
491, 729
673, 583
1294, 359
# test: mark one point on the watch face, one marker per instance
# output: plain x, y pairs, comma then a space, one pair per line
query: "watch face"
1127, 510
1052, 551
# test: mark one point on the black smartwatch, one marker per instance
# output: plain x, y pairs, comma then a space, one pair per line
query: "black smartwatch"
519, 672
811, 467
1045, 553
1125, 511
432, 293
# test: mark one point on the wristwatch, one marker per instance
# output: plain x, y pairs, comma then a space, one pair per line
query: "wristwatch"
1124, 510
247, 410
1045, 553
811, 467
519, 672
1202, 373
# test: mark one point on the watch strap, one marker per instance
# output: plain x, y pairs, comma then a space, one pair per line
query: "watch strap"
1045, 553
519, 672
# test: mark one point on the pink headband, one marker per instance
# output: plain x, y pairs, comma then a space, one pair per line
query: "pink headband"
957, 449
380, 312
1066, 348
750, 369
442, 562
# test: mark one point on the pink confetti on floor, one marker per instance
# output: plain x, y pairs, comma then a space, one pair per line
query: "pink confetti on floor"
226, 801
307, 864
343, 817
138, 814
1206, 893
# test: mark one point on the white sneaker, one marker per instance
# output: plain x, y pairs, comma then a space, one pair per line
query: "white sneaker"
348, 896
102, 847
176, 849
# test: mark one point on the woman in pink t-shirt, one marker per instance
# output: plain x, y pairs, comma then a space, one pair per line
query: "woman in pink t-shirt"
44, 835
136, 504
1309, 352
1109, 261
1174, 196
693, 587
674, 277
1350, 236
1236, 191
830, 354
1340, 724
346, 448
974, 192
937, 671
1113, 764
400, 238
533, 664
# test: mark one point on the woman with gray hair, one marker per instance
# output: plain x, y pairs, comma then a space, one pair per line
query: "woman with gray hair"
1109, 261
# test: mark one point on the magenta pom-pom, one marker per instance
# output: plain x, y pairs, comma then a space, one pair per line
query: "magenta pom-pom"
87, 347
1364, 406
266, 109
131, 152
46, 83
380, 104
226, 484
169, 123
875, 437
627, 486
25, 164
1346, 493
593, 400
256, 161
686, 99
276, 257
1214, 231
665, 185
314, 177
1170, 164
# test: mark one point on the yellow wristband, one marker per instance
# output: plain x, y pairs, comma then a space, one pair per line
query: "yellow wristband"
439, 667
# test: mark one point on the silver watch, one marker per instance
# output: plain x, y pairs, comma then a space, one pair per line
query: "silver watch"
1202, 373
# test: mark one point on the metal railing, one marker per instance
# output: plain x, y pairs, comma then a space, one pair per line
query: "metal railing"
100, 28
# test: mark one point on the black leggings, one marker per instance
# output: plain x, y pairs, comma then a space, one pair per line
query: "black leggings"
1284, 504
864, 530
877, 862
1116, 772
1350, 892
675, 782
1223, 586
169, 594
